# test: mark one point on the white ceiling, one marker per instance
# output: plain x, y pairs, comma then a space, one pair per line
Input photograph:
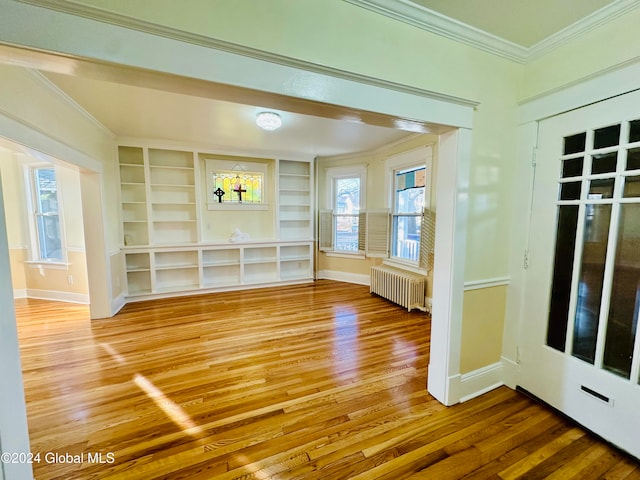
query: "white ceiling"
130, 111
524, 22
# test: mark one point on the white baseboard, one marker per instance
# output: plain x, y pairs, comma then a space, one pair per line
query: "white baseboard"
19, 293
510, 372
483, 380
358, 278
58, 296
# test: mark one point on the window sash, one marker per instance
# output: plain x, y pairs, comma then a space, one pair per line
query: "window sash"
406, 237
346, 231
46, 232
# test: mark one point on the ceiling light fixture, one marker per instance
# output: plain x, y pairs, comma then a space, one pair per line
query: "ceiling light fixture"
268, 120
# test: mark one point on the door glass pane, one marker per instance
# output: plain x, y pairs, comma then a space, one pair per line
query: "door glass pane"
596, 236
574, 143
606, 137
631, 187
633, 159
562, 275
570, 190
634, 131
601, 188
572, 167
604, 163
625, 294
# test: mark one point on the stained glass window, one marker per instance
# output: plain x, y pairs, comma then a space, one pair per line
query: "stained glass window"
238, 187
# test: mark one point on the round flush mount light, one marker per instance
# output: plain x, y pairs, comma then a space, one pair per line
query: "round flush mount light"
268, 120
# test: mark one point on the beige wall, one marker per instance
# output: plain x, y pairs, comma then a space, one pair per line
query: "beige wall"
41, 280
49, 281
481, 342
17, 257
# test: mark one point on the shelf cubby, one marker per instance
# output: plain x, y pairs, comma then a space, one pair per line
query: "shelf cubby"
220, 275
263, 272
138, 282
177, 279
220, 257
176, 259
259, 255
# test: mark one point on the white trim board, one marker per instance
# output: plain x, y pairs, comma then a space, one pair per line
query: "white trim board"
82, 298
602, 85
482, 380
486, 283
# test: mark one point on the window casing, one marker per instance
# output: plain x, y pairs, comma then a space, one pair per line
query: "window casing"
408, 205
412, 222
346, 201
346, 211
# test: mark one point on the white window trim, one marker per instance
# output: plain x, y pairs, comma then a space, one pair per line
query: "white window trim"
348, 171
33, 247
422, 156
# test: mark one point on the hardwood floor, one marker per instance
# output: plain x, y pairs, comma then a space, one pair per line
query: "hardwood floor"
318, 381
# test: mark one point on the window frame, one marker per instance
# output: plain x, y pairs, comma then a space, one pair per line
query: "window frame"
340, 173
34, 246
406, 161
240, 167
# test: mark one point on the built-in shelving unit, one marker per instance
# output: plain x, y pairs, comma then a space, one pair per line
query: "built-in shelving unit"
173, 197
164, 252
295, 206
135, 224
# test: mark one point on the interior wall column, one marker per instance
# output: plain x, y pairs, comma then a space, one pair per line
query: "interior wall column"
14, 433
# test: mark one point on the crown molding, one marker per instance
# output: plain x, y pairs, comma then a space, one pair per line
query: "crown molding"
52, 87
94, 13
588, 23
434, 22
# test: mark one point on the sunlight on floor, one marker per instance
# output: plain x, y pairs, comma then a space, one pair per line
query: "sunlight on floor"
114, 354
169, 407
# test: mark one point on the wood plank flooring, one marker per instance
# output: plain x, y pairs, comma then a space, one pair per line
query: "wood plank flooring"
319, 381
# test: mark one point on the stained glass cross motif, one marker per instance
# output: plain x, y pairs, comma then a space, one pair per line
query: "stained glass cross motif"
219, 193
239, 190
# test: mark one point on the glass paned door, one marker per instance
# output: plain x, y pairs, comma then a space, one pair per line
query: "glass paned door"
580, 351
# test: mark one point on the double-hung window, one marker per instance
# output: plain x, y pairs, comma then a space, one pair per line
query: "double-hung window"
408, 205
346, 200
346, 211
46, 231
409, 194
